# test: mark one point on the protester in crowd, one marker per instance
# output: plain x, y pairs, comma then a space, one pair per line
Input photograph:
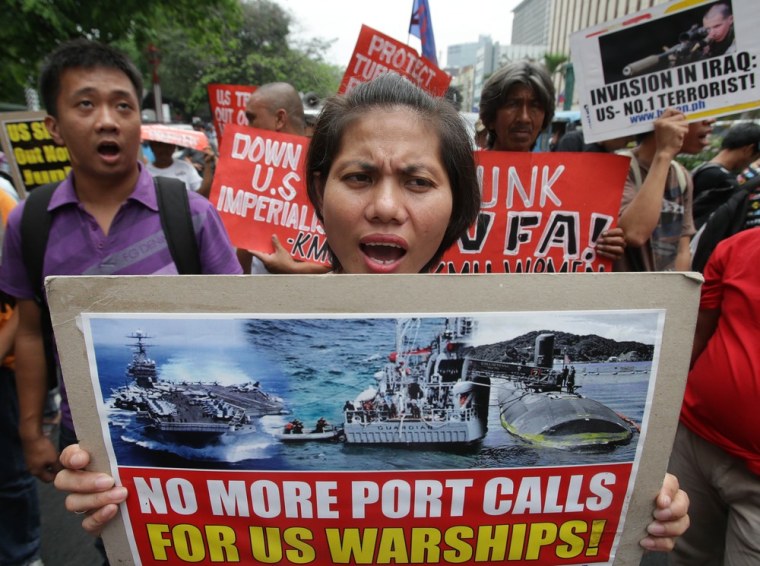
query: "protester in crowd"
716, 453
100, 216
276, 107
391, 174
715, 181
204, 163
366, 144
656, 210
740, 212
516, 105
19, 509
718, 22
574, 142
166, 165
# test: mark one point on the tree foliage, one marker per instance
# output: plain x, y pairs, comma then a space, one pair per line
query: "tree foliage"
256, 50
37, 26
222, 41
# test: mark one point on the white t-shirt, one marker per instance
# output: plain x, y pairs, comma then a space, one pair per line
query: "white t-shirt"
258, 267
6, 186
181, 170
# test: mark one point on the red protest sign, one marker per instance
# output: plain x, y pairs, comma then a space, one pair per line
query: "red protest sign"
176, 136
541, 516
259, 190
227, 104
376, 53
540, 212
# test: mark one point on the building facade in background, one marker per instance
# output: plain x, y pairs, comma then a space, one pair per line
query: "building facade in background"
552, 22
462, 55
539, 27
470, 64
530, 23
569, 16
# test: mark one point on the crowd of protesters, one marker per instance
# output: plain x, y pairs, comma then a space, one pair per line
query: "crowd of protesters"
716, 456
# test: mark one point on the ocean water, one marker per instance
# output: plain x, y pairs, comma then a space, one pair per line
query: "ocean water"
316, 365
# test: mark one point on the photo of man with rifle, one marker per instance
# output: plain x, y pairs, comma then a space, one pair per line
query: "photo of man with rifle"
714, 38
718, 26
705, 32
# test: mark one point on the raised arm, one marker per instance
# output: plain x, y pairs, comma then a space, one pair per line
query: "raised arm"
640, 217
209, 163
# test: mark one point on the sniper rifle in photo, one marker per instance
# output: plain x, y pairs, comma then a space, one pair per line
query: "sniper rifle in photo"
690, 43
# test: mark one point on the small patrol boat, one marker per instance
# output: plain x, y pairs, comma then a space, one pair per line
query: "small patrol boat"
294, 432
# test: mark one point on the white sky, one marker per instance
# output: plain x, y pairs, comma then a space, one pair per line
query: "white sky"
639, 326
228, 331
454, 21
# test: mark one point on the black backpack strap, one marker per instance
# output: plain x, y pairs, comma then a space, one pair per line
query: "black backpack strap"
727, 220
177, 223
35, 229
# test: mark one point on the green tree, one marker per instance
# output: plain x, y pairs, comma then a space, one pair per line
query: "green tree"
37, 26
256, 50
220, 41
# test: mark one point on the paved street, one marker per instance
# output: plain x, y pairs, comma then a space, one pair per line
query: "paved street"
64, 543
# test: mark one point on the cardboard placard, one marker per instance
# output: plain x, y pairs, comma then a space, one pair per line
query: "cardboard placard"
259, 190
34, 158
630, 70
433, 466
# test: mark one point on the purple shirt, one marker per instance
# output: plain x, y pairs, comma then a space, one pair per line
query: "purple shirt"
135, 244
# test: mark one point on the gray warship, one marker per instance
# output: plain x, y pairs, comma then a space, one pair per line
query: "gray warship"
193, 413
439, 394
420, 395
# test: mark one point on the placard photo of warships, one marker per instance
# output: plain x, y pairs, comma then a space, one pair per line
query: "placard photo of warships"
374, 392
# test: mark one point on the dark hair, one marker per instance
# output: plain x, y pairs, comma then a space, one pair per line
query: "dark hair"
83, 54
497, 87
387, 92
742, 134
